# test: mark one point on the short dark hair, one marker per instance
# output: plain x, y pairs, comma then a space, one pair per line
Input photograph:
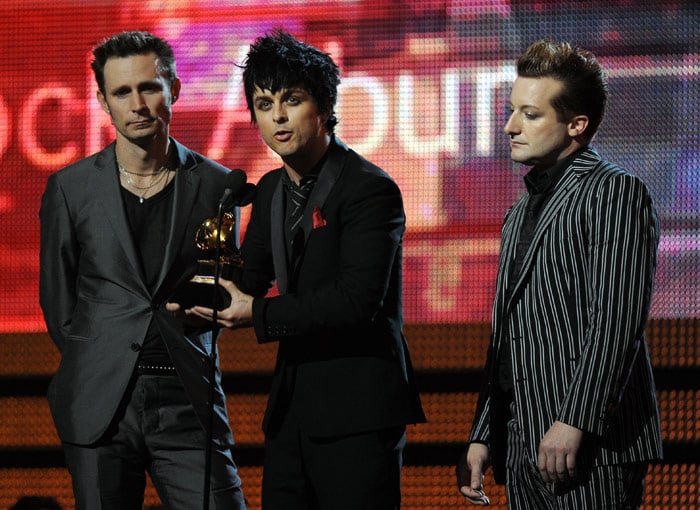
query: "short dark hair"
585, 88
126, 44
278, 61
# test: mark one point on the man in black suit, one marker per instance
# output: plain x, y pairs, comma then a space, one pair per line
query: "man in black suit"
117, 238
568, 417
328, 227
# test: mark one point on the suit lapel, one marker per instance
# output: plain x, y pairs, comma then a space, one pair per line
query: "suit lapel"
327, 177
105, 187
279, 249
569, 184
186, 187
509, 241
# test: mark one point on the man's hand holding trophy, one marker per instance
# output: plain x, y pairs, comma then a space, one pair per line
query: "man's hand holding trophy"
217, 236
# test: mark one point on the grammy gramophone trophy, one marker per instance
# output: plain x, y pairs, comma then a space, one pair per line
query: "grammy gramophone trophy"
199, 290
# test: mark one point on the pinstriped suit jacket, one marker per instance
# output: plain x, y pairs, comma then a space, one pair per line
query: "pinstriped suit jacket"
575, 321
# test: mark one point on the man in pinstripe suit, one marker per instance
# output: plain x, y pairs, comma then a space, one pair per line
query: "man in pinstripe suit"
568, 415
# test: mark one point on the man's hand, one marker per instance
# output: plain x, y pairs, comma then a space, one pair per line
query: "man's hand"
238, 314
558, 452
470, 473
187, 315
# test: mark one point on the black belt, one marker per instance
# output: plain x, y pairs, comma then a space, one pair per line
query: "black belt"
143, 369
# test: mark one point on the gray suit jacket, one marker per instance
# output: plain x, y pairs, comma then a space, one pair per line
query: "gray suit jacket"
575, 321
95, 302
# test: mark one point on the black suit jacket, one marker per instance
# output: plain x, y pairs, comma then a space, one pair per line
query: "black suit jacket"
95, 302
338, 318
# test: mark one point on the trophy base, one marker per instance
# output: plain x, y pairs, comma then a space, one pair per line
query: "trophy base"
199, 291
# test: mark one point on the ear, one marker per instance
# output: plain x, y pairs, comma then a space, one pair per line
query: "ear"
325, 116
175, 90
103, 102
577, 125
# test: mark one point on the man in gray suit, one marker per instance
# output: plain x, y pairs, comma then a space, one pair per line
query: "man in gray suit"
117, 238
568, 415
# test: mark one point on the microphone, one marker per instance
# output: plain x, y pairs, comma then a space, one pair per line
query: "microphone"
234, 181
245, 195
234, 184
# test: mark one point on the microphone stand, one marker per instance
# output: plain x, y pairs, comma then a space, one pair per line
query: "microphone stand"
212, 359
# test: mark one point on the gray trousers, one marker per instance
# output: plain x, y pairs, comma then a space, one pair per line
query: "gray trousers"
157, 432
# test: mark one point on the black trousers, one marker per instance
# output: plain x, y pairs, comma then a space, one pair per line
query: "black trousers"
358, 471
155, 431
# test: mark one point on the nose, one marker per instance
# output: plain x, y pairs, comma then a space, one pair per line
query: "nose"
137, 102
511, 127
279, 113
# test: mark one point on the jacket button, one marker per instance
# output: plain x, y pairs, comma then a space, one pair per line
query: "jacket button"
135, 347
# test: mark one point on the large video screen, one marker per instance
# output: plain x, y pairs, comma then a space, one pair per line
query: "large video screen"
424, 91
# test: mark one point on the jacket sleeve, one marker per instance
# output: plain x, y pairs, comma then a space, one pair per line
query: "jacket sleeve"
59, 255
622, 250
481, 432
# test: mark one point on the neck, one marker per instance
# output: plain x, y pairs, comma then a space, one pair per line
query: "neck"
301, 165
142, 159
541, 166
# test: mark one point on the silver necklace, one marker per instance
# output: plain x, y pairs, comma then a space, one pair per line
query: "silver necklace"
141, 191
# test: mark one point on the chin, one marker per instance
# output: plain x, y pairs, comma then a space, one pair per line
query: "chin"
520, 159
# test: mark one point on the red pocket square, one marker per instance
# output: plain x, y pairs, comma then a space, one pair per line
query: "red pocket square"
319, 220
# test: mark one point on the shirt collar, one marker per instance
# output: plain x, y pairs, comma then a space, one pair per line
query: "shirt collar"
310, 177
540, 181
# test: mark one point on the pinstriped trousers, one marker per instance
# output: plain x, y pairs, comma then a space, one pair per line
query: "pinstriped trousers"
614, 487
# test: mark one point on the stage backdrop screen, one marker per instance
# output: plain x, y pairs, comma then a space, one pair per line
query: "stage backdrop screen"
424, 94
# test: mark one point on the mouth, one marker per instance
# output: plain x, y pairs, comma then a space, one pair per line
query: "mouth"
141, 123
282, 136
